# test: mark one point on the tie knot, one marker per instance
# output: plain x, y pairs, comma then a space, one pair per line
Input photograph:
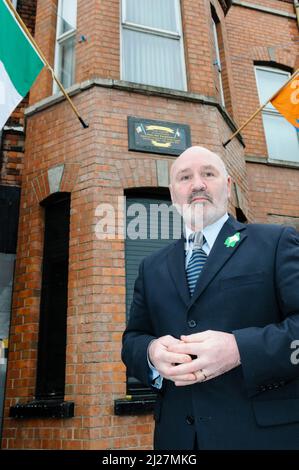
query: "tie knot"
198, 240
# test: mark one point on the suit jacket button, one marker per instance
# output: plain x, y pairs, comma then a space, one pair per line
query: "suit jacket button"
192, 323
189, 419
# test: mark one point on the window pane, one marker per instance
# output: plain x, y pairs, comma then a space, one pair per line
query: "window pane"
281, 137
269, 82
154, 13
153, 60
68, 12
67, 62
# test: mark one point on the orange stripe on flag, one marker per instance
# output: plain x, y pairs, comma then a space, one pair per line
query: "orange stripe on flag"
287, 102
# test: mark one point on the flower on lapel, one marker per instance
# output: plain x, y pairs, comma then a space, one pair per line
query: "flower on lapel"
231, 241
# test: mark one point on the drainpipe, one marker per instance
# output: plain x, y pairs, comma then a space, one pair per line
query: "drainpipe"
296, 6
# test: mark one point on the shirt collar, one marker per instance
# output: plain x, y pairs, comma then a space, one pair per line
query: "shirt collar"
210, 232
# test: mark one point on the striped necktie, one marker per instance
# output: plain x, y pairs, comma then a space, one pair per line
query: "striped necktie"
196, 262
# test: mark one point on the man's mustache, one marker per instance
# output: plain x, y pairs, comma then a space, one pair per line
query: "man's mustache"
201, 194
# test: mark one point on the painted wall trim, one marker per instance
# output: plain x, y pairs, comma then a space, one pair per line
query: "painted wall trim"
272, 11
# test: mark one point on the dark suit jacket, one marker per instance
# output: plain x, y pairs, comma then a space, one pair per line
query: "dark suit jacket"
250, 290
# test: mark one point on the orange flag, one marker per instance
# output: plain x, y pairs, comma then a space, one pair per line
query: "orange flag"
287, 102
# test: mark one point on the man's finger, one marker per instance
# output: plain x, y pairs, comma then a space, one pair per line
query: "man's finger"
184, 378
168, 340
184, 348
187, 368
195, 338
174, 358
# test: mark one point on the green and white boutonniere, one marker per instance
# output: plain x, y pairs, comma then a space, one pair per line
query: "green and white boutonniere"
231, 241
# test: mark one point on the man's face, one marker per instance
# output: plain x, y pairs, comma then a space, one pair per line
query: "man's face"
199, 187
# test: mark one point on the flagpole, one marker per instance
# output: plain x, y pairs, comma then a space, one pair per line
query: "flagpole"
259, 109
30, 37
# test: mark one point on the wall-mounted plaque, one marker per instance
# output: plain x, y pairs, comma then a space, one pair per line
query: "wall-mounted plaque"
146, 135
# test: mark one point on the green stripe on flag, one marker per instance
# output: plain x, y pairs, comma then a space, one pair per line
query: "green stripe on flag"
21, 61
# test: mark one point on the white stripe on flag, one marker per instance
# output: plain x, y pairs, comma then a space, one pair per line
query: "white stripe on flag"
9, 97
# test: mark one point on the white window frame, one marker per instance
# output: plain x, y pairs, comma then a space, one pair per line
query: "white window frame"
178, 35
15, 3
60, 39
269, 109
217, 62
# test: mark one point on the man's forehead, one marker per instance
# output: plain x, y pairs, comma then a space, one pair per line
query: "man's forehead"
203, 167
196, 157
196, 162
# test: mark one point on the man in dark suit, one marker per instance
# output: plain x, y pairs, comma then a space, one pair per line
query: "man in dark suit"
215, 334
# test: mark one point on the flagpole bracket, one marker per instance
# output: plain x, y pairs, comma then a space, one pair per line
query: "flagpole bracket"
84, 124
226, 143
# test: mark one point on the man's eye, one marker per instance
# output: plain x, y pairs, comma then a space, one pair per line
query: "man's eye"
185, 177
209, 174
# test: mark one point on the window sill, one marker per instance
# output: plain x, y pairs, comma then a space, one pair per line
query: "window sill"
272, 162
43, 409
284, 163
134, 405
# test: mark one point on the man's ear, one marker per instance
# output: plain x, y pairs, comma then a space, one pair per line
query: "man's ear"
171, 193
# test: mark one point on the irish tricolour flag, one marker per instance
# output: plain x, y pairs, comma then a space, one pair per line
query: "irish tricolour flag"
20, 64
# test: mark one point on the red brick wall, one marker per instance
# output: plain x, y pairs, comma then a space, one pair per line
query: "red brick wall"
273, 191
99, 56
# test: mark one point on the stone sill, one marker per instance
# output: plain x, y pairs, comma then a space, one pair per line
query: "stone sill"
267, 161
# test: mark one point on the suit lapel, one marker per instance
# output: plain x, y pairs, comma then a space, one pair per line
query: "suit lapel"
176, 266
219, 255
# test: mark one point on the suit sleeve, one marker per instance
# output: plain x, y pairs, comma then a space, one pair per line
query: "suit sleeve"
266, 353
138, 334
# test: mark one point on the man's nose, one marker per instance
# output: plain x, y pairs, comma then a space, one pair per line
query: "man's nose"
198, 183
